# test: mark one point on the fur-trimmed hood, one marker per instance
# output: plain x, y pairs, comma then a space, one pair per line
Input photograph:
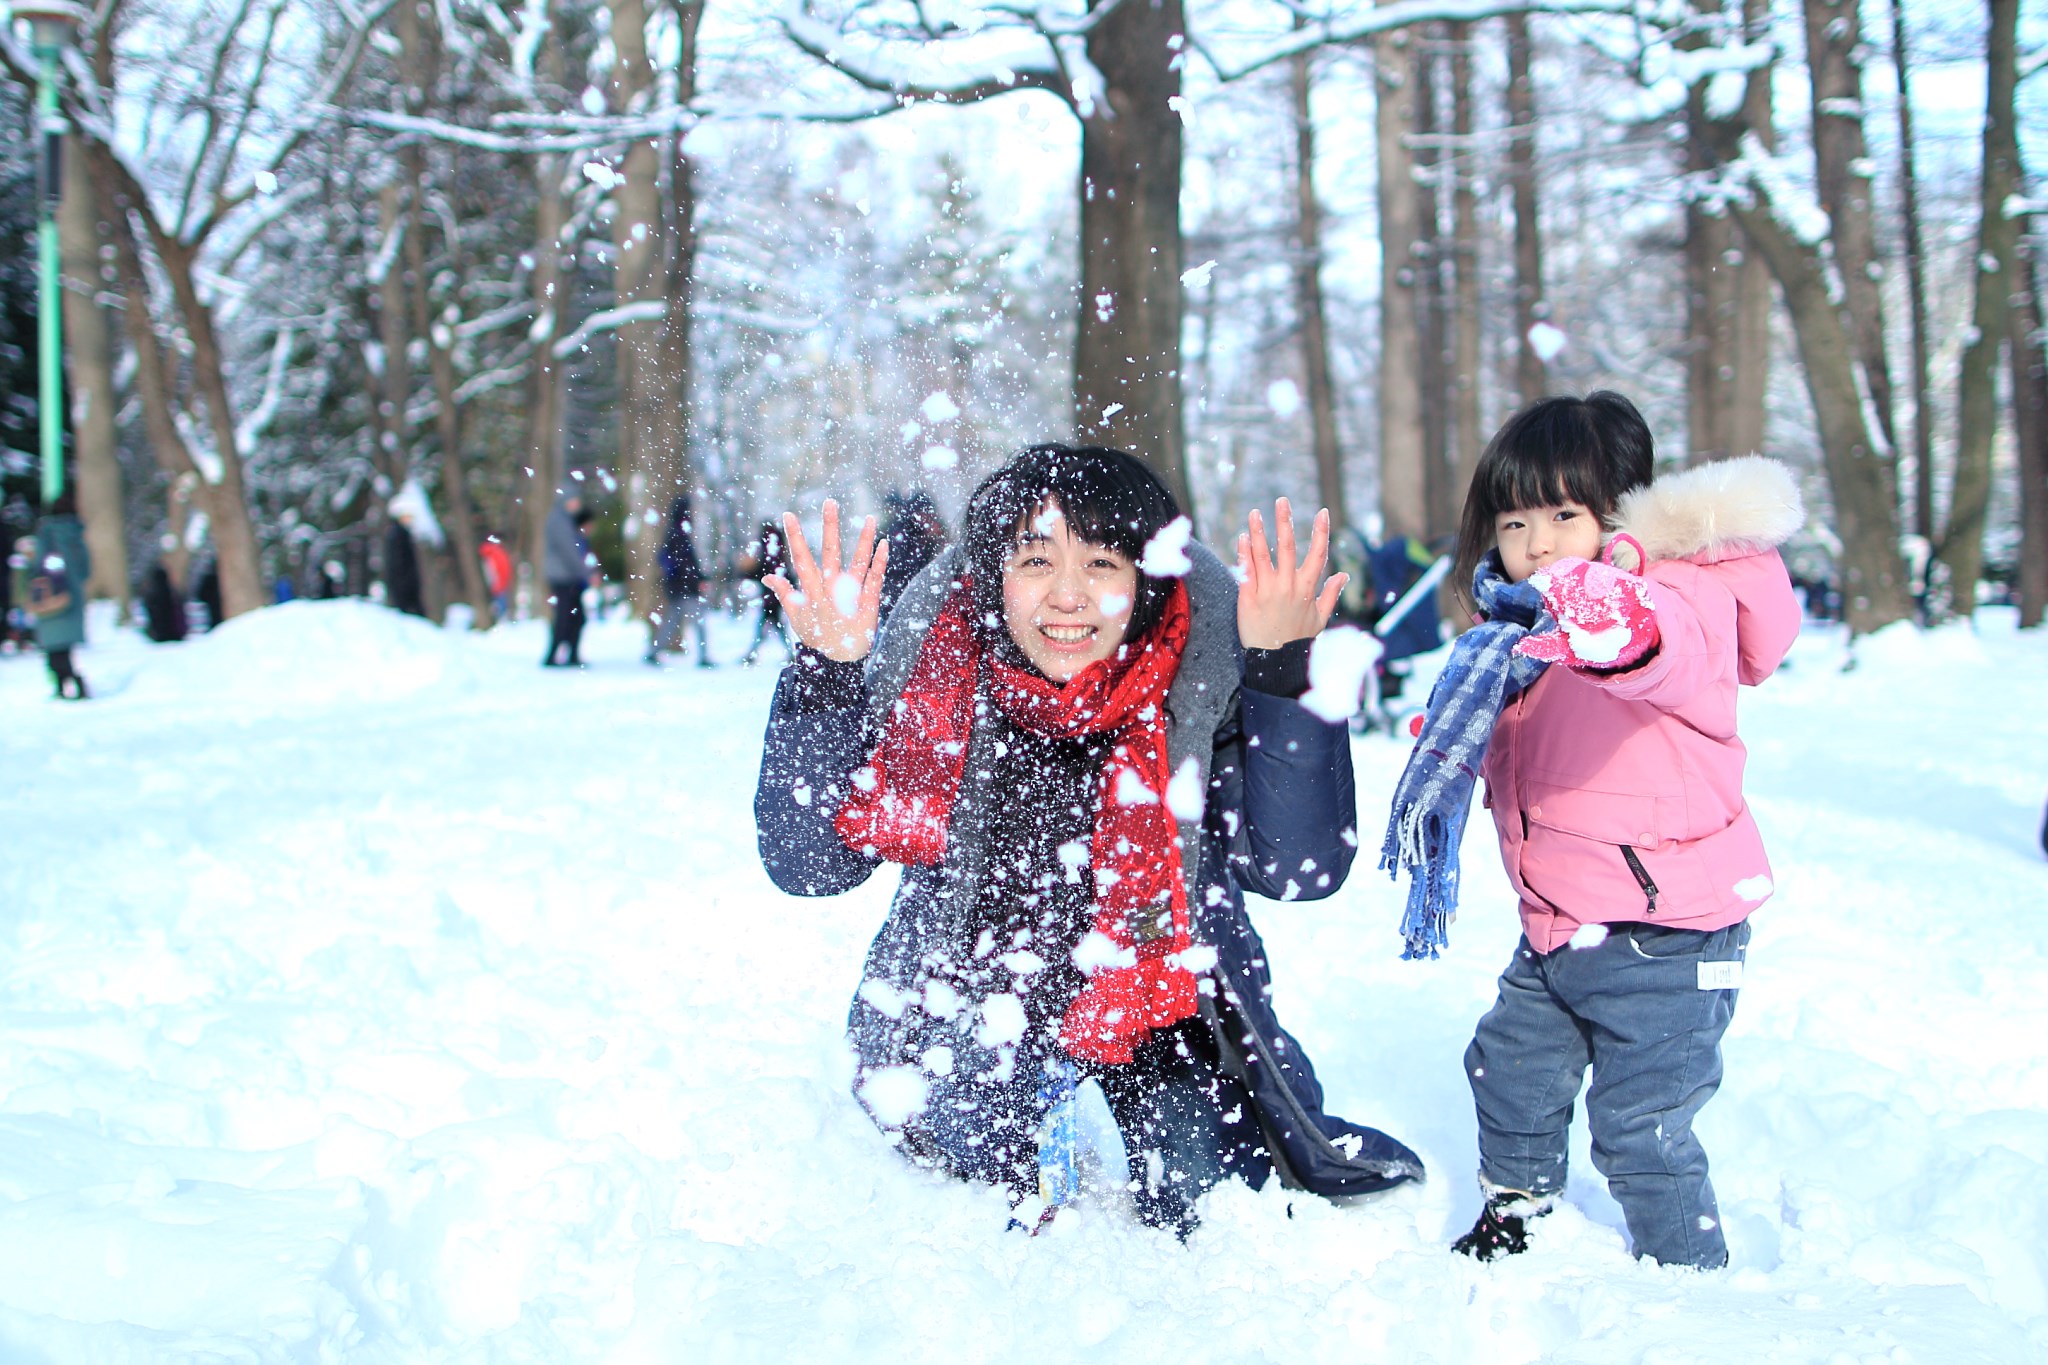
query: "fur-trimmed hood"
1715, 511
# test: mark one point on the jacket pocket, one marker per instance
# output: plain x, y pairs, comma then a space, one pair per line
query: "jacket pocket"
1607, 817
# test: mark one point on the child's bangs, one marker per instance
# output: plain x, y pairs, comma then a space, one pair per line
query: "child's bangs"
1560, 471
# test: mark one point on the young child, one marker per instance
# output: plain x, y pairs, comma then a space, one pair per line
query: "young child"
1597, 700
1082, 750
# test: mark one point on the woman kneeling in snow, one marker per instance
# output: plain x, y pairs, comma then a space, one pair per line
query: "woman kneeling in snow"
1082, 742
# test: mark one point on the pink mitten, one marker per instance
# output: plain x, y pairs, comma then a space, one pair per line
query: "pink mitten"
1605, 619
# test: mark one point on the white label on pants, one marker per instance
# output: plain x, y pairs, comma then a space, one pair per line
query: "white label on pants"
1720, 976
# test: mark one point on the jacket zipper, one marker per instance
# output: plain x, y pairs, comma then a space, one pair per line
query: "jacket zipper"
1642, 875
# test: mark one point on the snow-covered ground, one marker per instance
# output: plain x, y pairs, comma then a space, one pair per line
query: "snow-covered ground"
368, 993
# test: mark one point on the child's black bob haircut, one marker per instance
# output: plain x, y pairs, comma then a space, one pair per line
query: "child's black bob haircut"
1587, 450
1108, 497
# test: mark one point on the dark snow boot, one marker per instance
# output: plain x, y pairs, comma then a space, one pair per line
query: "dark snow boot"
1503, 1226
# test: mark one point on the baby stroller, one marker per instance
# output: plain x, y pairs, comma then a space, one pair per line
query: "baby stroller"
1392, 594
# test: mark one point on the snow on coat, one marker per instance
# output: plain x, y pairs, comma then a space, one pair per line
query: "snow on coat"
1618, 797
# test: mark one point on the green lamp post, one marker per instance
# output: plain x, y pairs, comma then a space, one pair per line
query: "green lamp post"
51, 26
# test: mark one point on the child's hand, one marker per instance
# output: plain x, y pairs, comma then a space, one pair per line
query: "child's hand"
1606, 619
1280, 602
832, 608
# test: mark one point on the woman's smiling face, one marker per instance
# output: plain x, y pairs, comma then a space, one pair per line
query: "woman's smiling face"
1066, 603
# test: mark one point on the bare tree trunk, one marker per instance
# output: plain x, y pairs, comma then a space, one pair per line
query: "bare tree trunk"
2030, 424
1962, 543
1727, 291
1531, 383
1874, 589
154, 383
419, 31
1432, 298
1750, 389
1127, 356
1404, 488
544, 409
638, 282
679, 273
1834, 41
1916, 292
394, 437
1467, 435
1308, 292
91, 369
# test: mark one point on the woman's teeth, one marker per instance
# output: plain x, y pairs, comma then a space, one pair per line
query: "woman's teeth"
1067, 635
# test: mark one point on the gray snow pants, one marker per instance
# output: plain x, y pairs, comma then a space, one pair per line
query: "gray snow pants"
1646, 1009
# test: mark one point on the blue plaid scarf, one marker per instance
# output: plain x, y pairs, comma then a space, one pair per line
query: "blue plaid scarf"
1435, 794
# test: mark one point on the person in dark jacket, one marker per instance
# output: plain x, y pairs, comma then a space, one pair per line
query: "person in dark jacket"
684, 587
916, 534
208, 593
1082, 768
56, 594
566, 559
766, 556
162, 608
402, 568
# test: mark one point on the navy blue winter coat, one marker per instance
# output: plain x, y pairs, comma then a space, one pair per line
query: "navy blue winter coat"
1279, 819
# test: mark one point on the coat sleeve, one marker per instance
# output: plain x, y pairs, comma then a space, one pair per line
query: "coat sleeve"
1737, 614
1298, 831
816, 739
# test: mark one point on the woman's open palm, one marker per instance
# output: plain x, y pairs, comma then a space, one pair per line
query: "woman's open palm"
834, 608
1280, 600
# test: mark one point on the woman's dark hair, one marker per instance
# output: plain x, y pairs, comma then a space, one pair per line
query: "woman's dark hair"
1587, 450
1108, 497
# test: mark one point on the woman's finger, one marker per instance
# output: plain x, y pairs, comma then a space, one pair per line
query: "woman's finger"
870, 609
1326, 601
1318, 546
1247, 564
1283, 522
828, 539
1261, 553
807, 576
863, 550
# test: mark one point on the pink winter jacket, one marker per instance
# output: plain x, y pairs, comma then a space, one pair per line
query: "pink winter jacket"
1619, 797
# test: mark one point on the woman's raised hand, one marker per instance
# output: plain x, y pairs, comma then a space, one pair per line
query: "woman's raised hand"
1279, 602
833, 608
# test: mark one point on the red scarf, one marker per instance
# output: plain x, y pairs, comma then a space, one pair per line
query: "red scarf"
902, 804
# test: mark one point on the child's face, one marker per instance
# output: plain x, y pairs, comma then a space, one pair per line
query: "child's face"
1531, 537
1066, 603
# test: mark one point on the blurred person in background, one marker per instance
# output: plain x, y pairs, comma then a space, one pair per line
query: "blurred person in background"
765, 555
163, 611
683, 585
57, 572
497, 574
566, 560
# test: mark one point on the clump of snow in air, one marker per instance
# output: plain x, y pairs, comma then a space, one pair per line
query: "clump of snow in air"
1339, 662
846, 593
1115, 604
1589, 936
1097, 950
1132, 791
375, 994
940, 407
602, 176
1753, 888
896, 1094
1184, 792
939, 457
1546, 341
1002, 1021
1198, 276
1166, 553
1283, 398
